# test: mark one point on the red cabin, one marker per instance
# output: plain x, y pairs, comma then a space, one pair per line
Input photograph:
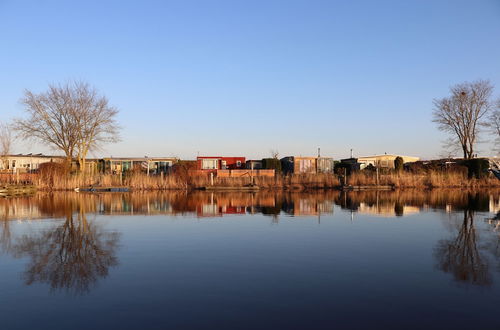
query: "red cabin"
220, 163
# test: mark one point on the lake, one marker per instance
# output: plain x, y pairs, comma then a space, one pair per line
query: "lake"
266, 260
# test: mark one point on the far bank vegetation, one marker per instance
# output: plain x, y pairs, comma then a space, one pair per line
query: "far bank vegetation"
437, 174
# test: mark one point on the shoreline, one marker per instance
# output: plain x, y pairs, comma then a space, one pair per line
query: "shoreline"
28, 190
357, 181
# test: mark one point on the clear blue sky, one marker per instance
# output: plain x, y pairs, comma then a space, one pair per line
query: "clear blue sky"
243, 77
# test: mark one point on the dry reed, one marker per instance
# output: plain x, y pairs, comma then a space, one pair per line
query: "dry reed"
432, 179
142, 182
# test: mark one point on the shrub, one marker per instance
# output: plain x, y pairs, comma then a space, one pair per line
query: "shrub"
271, 164
370, 168
183, 168
340, 168
477, 167
398, 164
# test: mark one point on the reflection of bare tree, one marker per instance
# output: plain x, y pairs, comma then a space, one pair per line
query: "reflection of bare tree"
72, 256
461, 256
493, 243
5, 234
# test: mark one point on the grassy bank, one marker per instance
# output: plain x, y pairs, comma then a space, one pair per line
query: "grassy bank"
431, 179
142, 182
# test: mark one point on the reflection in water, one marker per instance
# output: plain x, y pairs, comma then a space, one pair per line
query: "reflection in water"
5, 236
461, 256
467, 256
76, 253
405, 202
71, 256
217, 204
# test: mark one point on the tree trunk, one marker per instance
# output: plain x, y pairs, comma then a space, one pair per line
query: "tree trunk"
67, 164
81, 164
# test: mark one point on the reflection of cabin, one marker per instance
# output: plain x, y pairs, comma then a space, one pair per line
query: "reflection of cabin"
304, 165
308, 206
26, 163
387, 209
154, 165
379, 161
218, 205
215, 210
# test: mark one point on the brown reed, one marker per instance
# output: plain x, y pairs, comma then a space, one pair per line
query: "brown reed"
143, 182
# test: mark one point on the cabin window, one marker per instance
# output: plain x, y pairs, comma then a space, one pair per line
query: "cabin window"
163, 166
305, 165
127, 165
224, 165
209, 164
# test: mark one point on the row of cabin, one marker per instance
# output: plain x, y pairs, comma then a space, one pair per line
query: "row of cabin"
31, 162
377, 161
288, 165
26, 163
154, 165
158, 165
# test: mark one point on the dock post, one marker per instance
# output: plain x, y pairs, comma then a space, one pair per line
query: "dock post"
251, 174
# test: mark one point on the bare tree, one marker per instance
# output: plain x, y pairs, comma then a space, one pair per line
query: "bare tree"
463, 112
274, 153
494, 124
5, 143
96, 123
72, 118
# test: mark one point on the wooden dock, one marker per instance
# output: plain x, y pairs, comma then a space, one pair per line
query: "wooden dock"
219, 188
102, 189
13, 190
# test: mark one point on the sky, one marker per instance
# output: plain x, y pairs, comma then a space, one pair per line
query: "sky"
238, 78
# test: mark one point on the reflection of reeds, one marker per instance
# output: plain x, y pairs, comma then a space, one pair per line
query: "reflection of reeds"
451, 199
398, 202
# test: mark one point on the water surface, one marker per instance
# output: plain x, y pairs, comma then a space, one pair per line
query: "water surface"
265, 260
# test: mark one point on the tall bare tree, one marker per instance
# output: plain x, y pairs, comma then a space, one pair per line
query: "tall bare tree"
494, 124
73, 118
95, 121
464, 112
5, 143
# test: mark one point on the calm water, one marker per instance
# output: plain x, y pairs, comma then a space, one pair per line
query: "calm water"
388, 260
